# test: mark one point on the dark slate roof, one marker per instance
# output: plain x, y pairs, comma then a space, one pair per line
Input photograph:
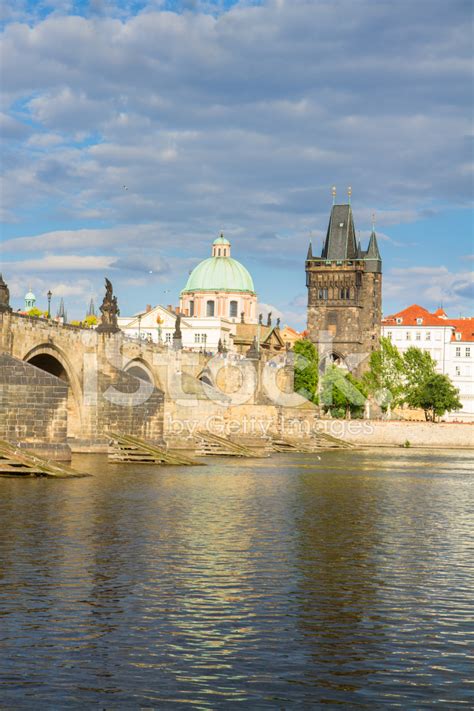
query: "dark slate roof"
308, 256
340, 238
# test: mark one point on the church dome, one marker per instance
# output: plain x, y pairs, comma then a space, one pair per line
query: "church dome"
220, 274
29, 296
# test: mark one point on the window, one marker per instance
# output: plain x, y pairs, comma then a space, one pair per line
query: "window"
191, 308
168, 338
458, 370
408, 335
458, 336
399, 320
417, 336
197, 338
428, 336
209, 308
458, 351
343, 293
389, 335
419, 321
233, 309
468, 352
218, 252
348, 293
323, 294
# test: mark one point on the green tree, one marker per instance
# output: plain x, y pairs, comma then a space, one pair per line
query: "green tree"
306, 370
384, 379
36, 312
90, 321
418, 368
436, 396
341, 394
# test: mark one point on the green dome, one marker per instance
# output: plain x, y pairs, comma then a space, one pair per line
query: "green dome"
30, 296
221, 240
219, 274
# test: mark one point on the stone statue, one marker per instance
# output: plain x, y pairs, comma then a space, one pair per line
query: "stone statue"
260, 319
278, 323
269, 318
109, 311
4, 296
220, 347
177, 335
253, 352
242, 317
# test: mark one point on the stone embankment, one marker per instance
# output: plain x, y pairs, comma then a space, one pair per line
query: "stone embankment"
382, 433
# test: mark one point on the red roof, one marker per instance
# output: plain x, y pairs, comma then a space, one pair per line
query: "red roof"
409, 316
464, 326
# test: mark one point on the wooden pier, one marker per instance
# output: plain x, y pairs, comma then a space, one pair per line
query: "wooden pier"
20, 463
132, 450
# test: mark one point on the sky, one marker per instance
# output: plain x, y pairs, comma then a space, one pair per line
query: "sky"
133, 132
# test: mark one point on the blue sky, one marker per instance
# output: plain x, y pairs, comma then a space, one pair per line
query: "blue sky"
133, 132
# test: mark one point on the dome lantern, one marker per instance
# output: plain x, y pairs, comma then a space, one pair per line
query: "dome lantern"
221, 247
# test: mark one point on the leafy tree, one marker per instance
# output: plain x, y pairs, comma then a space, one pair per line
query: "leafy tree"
37, 313
341, 394
418, 368
384, 379
436, 396
90, 321
306, 369
75, 323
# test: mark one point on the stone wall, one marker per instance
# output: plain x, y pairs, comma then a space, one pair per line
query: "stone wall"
376, 433
33, 409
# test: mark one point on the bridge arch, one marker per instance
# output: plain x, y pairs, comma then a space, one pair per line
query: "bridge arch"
139, 368
53, 360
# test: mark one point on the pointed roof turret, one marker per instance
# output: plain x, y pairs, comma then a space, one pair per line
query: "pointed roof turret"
91, 309
340, 241
310, 251
372, 255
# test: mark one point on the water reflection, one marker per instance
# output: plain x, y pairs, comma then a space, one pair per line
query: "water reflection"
270, 583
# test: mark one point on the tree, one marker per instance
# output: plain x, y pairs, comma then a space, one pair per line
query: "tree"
384, 379
306, 370
90, 321
418, 368
341, 394
37, 313
436, 396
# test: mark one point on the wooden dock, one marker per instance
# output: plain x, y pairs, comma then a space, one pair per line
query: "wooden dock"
20, 463
314, 443
132, 450
209, 444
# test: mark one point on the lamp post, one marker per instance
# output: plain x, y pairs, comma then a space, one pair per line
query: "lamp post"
49, 295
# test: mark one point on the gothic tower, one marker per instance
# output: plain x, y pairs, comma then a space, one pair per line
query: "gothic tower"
345, 293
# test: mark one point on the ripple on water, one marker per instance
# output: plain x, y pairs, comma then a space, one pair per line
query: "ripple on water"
289, 581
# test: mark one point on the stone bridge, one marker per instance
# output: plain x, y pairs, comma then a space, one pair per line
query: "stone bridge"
114, 383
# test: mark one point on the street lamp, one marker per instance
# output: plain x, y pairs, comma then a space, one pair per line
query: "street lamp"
49, 295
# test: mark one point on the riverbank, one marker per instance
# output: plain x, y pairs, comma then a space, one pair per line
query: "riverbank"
382, 433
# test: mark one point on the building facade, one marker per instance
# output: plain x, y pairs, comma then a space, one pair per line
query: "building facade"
344, 294
220, 286
450, 342
158, 325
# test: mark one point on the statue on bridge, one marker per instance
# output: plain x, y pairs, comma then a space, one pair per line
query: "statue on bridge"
109, 311
4, 296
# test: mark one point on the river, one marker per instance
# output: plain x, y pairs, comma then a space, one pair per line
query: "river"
289, 582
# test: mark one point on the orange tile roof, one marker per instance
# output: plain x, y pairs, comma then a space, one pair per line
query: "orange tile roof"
410, 314
464, 326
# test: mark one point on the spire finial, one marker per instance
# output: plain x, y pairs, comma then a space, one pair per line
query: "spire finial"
333, 194
349, 193
373, 222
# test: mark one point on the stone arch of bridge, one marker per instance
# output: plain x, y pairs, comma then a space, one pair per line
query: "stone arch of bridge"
334, 358
139, 368
53, 360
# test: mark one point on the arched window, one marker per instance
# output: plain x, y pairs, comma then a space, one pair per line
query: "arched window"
325, 294
191, 308
233, 309
348, 293
218, 252
209, 308
343, 293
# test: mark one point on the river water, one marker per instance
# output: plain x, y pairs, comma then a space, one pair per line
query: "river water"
288, 582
